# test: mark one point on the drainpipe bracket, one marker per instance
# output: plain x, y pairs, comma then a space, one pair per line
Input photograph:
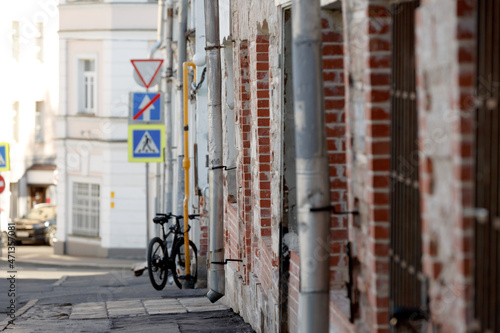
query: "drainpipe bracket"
225, 262
222, 167
332, 208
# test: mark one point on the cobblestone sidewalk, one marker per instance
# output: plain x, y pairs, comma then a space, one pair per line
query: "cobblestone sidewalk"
176, 315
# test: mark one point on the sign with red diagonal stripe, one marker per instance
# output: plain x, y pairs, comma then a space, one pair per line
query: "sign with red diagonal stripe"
146, 108
147, 69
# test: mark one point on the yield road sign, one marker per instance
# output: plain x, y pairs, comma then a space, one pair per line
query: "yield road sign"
146, 108
2, 184
4, 157
147, 69
146, 143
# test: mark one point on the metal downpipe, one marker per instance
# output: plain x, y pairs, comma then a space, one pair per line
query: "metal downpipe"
169, 173
160, 30
181, 58
216, 273
187, 164
313, 184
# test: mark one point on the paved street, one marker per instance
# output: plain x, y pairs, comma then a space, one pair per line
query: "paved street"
81, 295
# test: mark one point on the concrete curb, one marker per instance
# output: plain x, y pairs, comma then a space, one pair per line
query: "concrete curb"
73, 264
6, 322
60, 281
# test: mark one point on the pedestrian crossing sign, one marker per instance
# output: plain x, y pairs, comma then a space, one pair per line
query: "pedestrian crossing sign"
146, 143
4, 157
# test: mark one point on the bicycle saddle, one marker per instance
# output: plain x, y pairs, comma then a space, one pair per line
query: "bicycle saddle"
160, 219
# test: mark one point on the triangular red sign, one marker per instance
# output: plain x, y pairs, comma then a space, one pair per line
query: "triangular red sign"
147, 69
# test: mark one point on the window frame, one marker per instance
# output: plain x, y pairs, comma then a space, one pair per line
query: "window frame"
84, 209
80, 77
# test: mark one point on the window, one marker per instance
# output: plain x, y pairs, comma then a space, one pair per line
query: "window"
39, 42
15, 121
487, 177
39, 121
15, 40
86, 209
87, 86
408, 295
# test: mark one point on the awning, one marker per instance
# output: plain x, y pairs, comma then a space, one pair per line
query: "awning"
42, 174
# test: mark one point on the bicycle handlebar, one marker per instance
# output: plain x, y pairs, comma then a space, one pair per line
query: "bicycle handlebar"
178, 217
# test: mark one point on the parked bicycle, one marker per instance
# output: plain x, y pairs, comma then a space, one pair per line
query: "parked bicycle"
161, 261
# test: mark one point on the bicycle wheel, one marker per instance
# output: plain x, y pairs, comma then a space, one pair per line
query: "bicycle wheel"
157, 268
180, 261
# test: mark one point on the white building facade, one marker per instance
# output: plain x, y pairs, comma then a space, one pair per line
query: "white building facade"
101, 206
29, 100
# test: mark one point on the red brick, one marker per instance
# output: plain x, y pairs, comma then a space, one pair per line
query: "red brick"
263, 113
338, 235
263, 85
379, 232
336, 158
263, 131
263, 149
378, 148
336, 104
263, 103
265, 203
262, 75
337, 63
263, 122
262, 94
264, 158
378, 27
332, 50
265, 185
336, 131
264, 141
380, 61
332, 37
264, 167
262, 57
334, 91
378, 181
379, 44
379, 249
466, 54
333, 77
338, 183
463, 172
324, 23
377, 113
465, 30
262, 66
378, 198
262, 39
466, 79
465, 8
378, 130
378, 96
377, 11
380, 79
379, 214
262, 48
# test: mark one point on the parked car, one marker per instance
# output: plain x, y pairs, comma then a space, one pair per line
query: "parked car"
38, 225
4, 222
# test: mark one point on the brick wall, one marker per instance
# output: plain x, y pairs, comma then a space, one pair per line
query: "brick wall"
333, 82
368, 28
446, 82
242, 88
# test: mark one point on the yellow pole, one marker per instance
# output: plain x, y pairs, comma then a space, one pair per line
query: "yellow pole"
186, 163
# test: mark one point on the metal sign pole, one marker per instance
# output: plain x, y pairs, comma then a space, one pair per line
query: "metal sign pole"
147, 208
